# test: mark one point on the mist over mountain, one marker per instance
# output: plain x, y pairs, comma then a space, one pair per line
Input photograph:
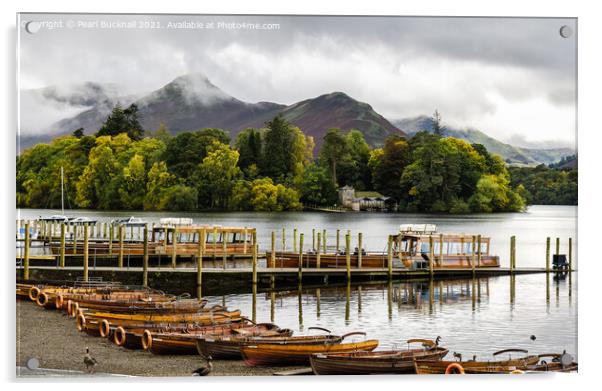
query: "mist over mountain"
192, 102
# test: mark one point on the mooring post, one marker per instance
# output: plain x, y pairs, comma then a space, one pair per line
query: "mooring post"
225, 248
145, 258
273, 252
359, 250
174, 250
431, 255
557, 246
570, 255
548, 240
472, 255
110, 239
244, 240
283, 239
26, 253
512, 253
318, 252
390, 256
121, 234
295, 240
199, 262
441, 249
313, 239
86, 252
324, 241
62, 249
153, 233
479, 250
254, 249
104, 229
338, 239
348, 255
300, 257
74, 239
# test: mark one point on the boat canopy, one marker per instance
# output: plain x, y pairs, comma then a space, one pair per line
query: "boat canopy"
418, 228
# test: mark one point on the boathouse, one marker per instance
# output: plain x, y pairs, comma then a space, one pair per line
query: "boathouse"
364, 200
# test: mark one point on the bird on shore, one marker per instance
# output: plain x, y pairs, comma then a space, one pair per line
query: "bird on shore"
437, 340
89, 361
474, 357
204, 370
533, 338
458, 356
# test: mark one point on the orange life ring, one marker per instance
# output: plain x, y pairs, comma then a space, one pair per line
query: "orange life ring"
147, 339
42, 299
34, 291
454, 369
119, 336
74, 308
58, 301
104, 328
81, 322
69, 305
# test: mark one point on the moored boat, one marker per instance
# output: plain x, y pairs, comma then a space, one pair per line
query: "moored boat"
425, 367
376, 362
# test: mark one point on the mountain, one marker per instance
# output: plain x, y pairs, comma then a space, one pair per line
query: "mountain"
338, 110
511, 154
192, 102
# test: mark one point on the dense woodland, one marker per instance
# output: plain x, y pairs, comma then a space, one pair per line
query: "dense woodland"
273, 169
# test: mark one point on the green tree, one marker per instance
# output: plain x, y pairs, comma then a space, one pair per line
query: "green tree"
334, 149
317, 187
159, 179
278, 163
249, 146
388, 164
217, 175
132, 189
122, 121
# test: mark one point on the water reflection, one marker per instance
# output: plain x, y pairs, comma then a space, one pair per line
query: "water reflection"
474, 316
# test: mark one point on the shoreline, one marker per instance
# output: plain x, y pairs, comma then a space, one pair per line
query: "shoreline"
52, 338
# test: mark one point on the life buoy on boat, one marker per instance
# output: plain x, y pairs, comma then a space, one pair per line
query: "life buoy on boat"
81, 322
74, 308
119, 336
58, 301
69, 305
454, 369
34, 291
42, 299
147, 339
104, 328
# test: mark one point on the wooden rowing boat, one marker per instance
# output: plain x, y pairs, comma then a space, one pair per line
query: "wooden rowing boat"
375, 362
185, 342
561, 362
228, 347
425, 367
271, 354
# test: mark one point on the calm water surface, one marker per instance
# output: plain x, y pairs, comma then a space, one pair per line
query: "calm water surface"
472, 317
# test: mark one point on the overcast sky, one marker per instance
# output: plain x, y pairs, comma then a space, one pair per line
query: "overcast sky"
512, 78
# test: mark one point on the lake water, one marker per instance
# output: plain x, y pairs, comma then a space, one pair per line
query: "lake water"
472, 317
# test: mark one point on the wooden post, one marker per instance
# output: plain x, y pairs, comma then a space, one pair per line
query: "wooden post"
295, 240
199, 262
570, 255
225, 248
390, 256
273, 253
431, 255
110, 239
244, 241
300, 257
174, 250
324, 241
348, 255
26, 253
283, 239
62, 249
338, 240
104, 230
74, 239
473, 252
121, 234
318, 252
153, 233
86, 252
512, 253
548, 255
557, 246
479, 250
359, 250
313, 239
441, 249
145, 258
254, 249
